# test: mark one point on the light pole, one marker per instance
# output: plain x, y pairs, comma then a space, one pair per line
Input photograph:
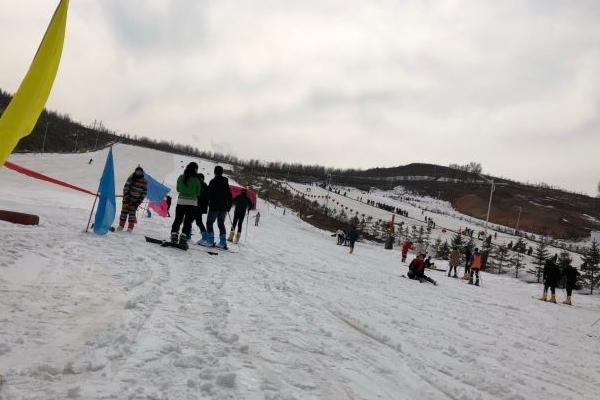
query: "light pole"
492, 188
44, 141
327, 182
518, 219
76, 135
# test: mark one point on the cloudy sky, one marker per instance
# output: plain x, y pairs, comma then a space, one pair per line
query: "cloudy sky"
514, 85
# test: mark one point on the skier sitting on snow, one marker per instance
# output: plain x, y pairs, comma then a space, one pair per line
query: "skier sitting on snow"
551, 277
242, 203
454, 261
475, 267
416, 270
134, 193
571, 275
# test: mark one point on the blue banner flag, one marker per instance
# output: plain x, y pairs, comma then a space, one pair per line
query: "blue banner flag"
107, 207
156, 190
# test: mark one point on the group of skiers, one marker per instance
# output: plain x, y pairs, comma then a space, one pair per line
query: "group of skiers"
552, 276
195, 198
347, 238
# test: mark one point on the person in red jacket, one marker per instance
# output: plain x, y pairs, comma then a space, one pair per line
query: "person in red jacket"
405, 248
416, 270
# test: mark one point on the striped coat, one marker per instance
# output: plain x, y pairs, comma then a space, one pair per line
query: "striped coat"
134, 191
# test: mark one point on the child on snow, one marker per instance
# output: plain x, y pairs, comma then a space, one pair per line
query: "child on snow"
134, 193
202, 206
453, 261
551, 277
475, 267
405, 248
242, 203
571, 275
188, 188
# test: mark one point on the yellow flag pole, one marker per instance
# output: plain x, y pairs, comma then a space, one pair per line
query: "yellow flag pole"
29, 101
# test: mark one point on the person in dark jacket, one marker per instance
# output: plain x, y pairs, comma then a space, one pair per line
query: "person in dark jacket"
219, 204
416, 270
134, 193
551, 278
571, 275
352, 238
202, 206
468, 259
242, 204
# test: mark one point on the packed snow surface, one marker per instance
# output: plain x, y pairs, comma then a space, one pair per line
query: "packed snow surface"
286, 315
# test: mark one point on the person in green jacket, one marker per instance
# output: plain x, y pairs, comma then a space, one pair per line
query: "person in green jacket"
188, 188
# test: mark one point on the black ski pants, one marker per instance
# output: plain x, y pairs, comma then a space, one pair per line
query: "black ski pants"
551, 286
569, 290
198, 220
238, 220
185, 214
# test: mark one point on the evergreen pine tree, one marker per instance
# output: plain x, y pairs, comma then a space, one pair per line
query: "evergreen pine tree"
500, 256
444, 251
590, 268
436, 246
517, 260
457, 242
485, 253
541, 254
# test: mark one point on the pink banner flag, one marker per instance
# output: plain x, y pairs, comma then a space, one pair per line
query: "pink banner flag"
159, 208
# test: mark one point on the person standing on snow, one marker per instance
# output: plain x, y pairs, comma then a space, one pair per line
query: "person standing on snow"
188, 188
202, 205
468, 259
134, 193
475, 267
257, 218
551, 277
219, 204
453, 261
340, 237
242, 204
416, 270
352, 238
405, 248
571, 275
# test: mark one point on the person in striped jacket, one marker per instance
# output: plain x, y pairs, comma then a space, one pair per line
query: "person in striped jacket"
134, 193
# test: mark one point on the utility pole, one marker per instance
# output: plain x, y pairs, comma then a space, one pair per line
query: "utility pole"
44, 141
327, 183
487, 218
76, 135
518, 219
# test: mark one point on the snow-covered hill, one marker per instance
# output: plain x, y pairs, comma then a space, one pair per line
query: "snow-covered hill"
288, 315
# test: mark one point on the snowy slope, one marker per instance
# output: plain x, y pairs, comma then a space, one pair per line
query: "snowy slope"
289, 316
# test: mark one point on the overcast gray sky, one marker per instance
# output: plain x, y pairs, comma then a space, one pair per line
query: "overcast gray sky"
514, 85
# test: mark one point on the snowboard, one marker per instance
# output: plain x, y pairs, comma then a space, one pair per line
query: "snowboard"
165, 243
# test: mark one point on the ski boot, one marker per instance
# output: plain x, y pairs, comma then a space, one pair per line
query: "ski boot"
222, 242
477, 282
553, 299
208, 241
183, 239
543, 298
130, 228
174, 237
230, 237
236, 238
568, 301
120, 228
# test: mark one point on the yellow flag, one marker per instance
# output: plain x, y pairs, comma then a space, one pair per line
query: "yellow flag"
22, 113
